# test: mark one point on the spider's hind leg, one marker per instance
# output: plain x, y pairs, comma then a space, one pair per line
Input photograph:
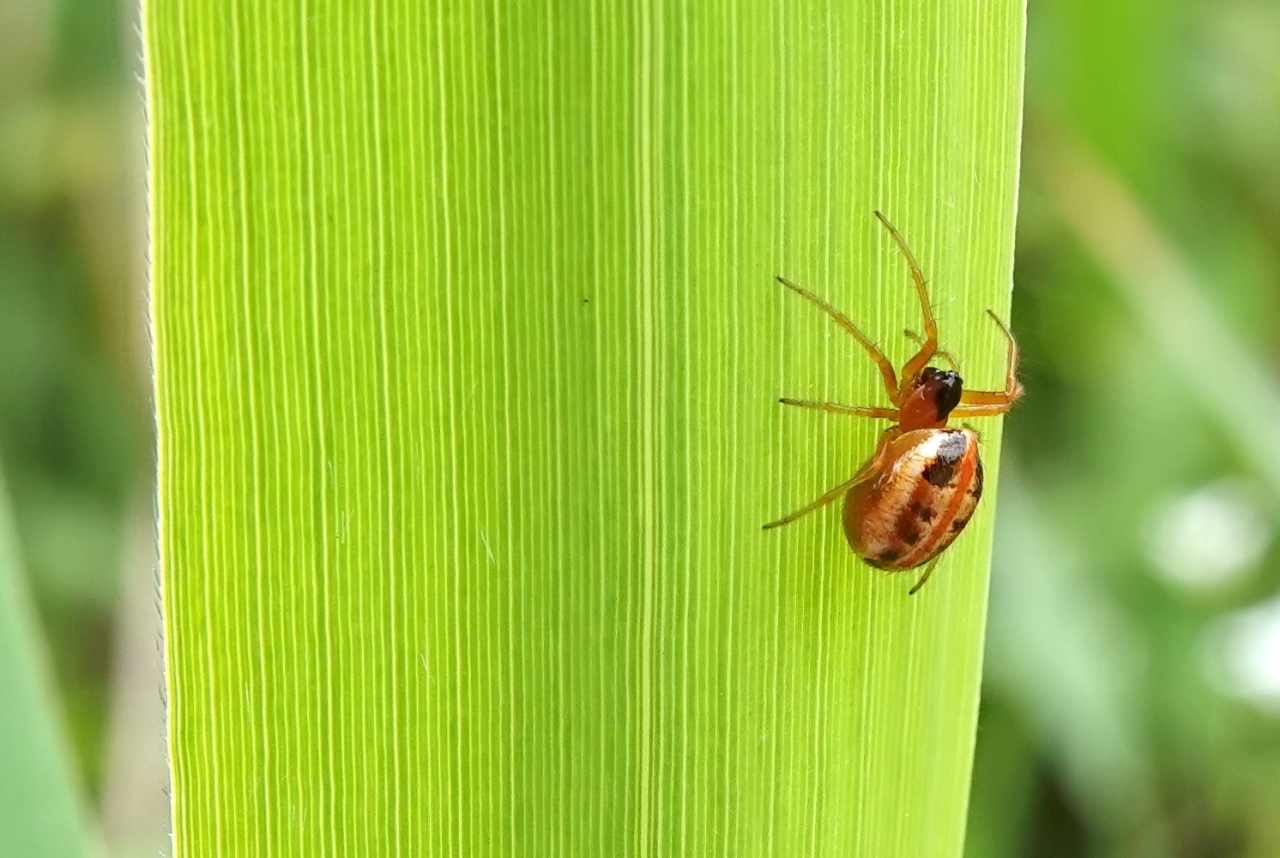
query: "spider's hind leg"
928, 570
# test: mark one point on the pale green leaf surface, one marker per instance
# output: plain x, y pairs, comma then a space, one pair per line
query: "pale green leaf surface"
468, 351
41, 803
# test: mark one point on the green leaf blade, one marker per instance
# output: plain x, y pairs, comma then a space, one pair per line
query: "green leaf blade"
468, 345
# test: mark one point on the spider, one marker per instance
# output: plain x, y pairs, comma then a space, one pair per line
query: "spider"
917, 491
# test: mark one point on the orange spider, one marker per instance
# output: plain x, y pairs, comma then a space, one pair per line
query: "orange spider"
915, 494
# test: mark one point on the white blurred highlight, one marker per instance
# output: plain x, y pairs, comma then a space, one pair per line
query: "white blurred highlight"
1243, 654
1210, 537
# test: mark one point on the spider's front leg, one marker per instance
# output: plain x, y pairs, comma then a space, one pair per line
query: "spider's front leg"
984, 403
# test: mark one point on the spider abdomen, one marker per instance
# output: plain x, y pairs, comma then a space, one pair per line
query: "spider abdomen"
918, 502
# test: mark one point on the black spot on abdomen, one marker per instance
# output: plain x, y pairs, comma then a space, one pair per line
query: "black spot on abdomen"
881, 560
951, 450
939, 473
907, 530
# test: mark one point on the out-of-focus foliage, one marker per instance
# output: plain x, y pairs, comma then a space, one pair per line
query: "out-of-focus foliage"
74, 414
1133, 673
41, 807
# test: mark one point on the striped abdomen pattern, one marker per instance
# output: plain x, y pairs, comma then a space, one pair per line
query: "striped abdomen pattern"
906, 513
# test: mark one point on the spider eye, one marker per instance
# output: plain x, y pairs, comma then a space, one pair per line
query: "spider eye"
947, 389
928, 373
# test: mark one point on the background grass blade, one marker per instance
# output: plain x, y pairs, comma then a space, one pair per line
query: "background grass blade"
468, 348
41, 804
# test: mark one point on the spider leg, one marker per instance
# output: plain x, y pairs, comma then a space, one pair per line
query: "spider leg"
988, 409
886, 368
834, 408
928, 570
995, 400
827, 498
942, 353
930, 345
870, 469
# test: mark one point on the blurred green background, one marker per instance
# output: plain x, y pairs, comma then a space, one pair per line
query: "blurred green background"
1132, 699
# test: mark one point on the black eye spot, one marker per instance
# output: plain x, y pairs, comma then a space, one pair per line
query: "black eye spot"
958, 525
947, 397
